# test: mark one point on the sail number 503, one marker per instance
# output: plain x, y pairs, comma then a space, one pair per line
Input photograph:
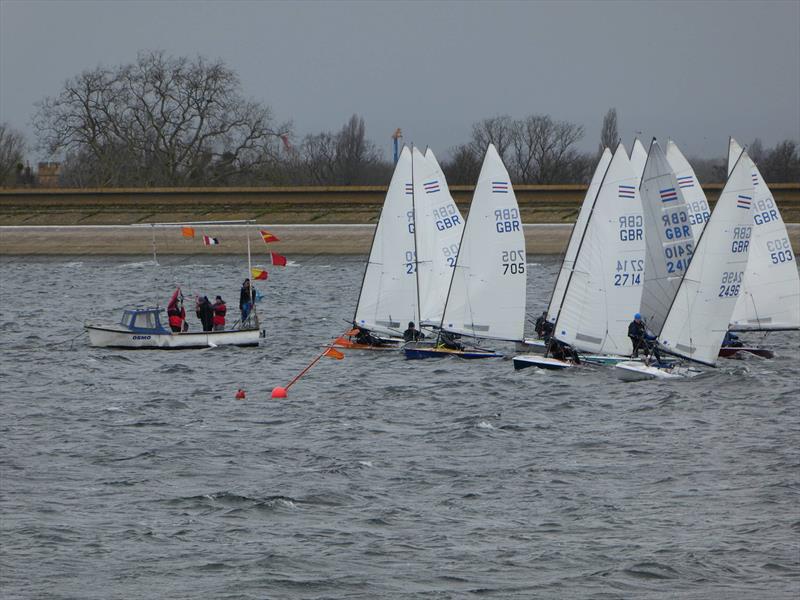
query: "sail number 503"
513, 262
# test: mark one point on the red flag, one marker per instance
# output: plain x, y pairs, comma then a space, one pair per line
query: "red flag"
210, 241
259, 273
278, 260
268, 237
334, 353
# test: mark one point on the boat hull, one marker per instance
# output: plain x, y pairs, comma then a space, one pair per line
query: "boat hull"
107, 337
541, 362
421, 353
390, 344
637, 371
734, 351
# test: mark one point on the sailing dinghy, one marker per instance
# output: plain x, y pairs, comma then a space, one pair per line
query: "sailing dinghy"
698, 316
486, 294
770, 297
603, 285
387, 300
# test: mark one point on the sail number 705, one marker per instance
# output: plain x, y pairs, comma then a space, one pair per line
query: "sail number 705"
513, 262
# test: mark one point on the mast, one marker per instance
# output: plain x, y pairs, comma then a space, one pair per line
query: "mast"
416, 256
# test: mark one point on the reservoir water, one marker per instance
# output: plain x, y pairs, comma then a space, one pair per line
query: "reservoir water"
139, 475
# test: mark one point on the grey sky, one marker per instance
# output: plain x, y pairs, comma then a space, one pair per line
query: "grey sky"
693, 71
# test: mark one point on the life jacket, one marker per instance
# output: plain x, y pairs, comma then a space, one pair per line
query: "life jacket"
219, 313
176, 317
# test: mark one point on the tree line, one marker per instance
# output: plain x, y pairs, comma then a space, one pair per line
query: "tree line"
166, 121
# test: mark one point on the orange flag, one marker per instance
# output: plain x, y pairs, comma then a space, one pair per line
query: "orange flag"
268, 237
188, 232
334, 353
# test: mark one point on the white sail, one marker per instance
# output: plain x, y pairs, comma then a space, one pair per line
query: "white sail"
638, 158
734, 152
693, 193
667, 234
438, 226
388, 298
605, 288
575, 238
770, 298
487, 293
699, 316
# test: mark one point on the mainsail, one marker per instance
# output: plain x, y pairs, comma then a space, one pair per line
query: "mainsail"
604, 289
770, 299
699, 315
667, 234
638, 158
693, 193
388, 298
437, 231
575, 237
487, 292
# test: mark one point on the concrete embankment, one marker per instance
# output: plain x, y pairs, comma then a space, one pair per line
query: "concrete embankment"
294, 239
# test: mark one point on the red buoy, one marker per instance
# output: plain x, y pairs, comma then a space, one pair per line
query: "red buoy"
279, 392
240, 395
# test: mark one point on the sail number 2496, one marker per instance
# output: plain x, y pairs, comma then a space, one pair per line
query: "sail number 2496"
730, 284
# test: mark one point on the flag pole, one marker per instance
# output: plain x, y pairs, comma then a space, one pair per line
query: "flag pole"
280, 392
249, 275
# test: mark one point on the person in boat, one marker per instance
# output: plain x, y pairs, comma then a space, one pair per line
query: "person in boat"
205, 313
449, 341
176, 314
219, 309
562, 351
731, 340
641, 339
245, 299
412, 334
544, 328
364, 336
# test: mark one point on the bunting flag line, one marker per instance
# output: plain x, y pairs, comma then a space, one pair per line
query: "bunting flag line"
210, 241
278, 260
259, 274
268, 237
334, 353
188, 232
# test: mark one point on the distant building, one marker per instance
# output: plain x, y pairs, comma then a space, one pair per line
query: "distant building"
49, 174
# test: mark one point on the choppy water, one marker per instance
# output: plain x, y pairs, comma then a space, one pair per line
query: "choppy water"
138, 475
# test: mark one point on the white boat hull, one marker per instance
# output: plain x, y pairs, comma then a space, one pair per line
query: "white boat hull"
524, 361
637, 371
110, 337
533, 346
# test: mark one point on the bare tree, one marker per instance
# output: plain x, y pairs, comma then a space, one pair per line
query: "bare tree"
12, 150
464, 166
609, 136
782, 163
343, 158
158, 121
495, 130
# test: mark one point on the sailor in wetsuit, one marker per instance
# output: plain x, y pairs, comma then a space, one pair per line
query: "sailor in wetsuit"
412, 334
365, 337
641, 339
544, 328
562, 351
448, 340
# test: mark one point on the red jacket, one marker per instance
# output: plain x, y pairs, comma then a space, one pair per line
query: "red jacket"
176, 317
219, 313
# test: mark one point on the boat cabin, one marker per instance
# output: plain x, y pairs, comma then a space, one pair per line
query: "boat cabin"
143, 320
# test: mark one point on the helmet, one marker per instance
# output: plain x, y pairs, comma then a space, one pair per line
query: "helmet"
637, 316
